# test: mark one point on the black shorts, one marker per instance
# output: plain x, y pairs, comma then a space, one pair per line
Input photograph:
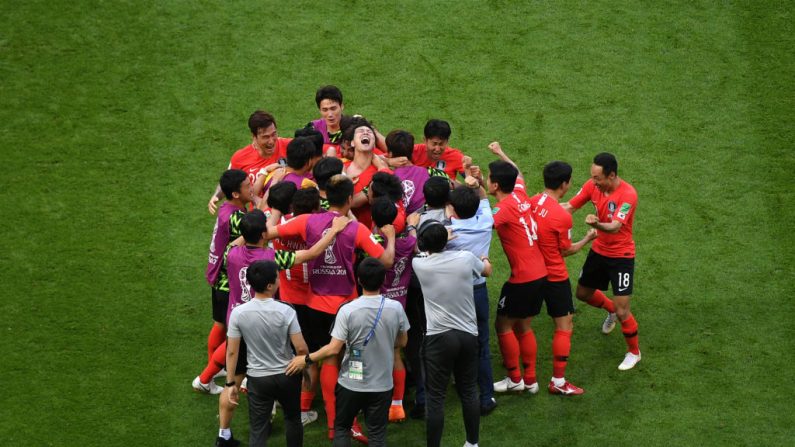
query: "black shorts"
599, 271
557, 295
521, 300
220, 305
242, 360
302, 314
318, 333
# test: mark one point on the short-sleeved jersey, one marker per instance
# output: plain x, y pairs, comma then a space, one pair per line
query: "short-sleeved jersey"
227, 229
513, 220
451, 161
554, 234
362, 240
250, 161
363, 213
266, 326
620, 206
352, 325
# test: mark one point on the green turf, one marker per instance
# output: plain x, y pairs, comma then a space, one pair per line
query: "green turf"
118, 117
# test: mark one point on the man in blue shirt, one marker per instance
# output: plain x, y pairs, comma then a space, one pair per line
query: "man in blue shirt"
471, 225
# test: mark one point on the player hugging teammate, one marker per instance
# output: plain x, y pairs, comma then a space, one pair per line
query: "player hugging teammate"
338, 248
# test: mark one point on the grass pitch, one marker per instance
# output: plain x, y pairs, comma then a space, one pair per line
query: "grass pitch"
118, 117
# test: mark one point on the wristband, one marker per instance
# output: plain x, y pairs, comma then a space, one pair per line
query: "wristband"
230, 383
411, 228
308, 360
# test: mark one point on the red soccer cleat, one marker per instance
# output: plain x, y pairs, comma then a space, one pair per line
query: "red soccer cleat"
357, 434
566, 390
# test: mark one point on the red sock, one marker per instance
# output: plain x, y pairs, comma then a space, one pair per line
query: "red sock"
306, 400
599, 299
399, 377
630, 329
561, 346
329, 372
528, 348
215, 364
509, 347
214, 340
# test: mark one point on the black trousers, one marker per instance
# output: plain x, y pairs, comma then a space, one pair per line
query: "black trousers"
415, 311
453, 352
376, 412
262, 391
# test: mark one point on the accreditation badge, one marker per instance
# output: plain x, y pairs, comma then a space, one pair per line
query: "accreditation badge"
355, 365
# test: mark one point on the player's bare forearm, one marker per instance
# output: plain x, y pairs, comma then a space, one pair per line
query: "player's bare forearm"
232, 348
402, 339
607, 227
577, 246
299, 344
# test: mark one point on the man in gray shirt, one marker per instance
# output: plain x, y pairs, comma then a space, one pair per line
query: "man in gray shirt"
451, 338
269, 327
371, 327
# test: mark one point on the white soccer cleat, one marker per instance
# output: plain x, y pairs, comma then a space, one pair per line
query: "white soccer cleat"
244, 385
630, 360
507, 385
221, 373
207, 388
610, 323
532, 388
307, 417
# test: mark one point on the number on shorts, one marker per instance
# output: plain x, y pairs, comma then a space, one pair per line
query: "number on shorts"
623, 280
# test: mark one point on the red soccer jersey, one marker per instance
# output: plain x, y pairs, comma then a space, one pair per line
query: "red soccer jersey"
293, 282
364, 240
618, 206
362, 213
554, 234
250, 161
513, 220
451, 162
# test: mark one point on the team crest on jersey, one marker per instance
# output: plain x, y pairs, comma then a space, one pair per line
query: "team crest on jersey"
611, 206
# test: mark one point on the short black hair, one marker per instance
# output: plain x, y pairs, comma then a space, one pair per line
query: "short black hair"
504, 174
400, 143
608, 163
385, 184
260, 120
465, 201
299, 152
339, 189
253, 225
383, 211
261, 273
437, 128
325, 169
431, 236
328, 92
314, 135
231, 180
354, 123
280, 196
436, 191
556, 173
371, 274
306, 201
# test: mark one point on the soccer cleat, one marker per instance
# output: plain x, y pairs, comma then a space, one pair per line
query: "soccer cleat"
532, 388
206, 388
567, 389
221, 373
396, 413
357, 434
488, 407
508, 385
231, 442
630, 360
307, 417
244, 385
610, 323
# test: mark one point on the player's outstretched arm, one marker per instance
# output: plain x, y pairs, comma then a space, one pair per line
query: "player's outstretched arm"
232, 350
496, 149
298, 363
577, 246
299, 344
212, 205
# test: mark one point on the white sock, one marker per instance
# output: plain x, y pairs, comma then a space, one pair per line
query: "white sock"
559, 381
397, 402
225, 433
467, 444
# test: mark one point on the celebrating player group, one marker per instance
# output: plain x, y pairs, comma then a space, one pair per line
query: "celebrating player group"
353, 263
